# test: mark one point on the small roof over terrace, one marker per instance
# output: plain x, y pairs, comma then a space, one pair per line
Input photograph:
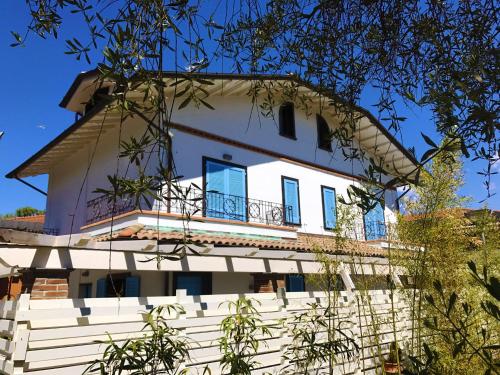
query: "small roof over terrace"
369, 133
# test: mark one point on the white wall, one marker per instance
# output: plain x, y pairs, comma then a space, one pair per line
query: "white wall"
158, 283
231, 282
152, 283
264, 177
234, 119
69, 176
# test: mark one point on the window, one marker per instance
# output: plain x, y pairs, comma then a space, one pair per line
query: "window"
122, 285
85, 290
374, 222
195, 283
295, 283
287, 120
324, 138
329, 207
291, 203
225, 190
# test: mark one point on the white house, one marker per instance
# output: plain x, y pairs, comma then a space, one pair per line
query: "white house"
268, 194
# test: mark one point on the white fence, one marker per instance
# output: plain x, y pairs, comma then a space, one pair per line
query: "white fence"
55, 337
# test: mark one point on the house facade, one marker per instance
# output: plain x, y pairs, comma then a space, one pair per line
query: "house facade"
263, 195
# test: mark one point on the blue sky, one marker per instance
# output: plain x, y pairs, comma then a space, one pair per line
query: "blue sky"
36, 77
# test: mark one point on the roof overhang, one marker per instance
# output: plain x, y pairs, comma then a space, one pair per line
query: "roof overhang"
369, 133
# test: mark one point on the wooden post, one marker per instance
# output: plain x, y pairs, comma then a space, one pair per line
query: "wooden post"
346, 278
21, 334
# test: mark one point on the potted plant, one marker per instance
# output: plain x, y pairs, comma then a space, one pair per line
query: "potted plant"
393, 363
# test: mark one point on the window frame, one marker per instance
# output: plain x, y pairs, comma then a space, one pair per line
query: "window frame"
204, 160
320, 121
286, 222
282, 125
323, 187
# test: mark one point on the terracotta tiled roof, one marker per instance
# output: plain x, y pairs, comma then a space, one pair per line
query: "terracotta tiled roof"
454, 212
28, 219
302, 243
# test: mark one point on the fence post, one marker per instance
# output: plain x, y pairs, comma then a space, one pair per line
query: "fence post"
21, 333
281, 295
346, 278
352, 305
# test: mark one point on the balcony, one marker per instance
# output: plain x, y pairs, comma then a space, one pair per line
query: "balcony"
196, 202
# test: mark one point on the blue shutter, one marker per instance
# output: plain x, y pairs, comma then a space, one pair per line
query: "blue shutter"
101, 288
291, 199
225, 191
236, 203
375, 223
132, 286
215, 181
329, 208
295, 283
192, 284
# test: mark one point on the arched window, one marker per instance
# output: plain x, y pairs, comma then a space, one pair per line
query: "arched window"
287, 120
324, 138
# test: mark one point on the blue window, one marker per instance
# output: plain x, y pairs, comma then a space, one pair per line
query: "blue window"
374, 222
329, 207
295, 283
85, 290
291, 203
101, 288
132, 286
122, 285
195, 283
225, 192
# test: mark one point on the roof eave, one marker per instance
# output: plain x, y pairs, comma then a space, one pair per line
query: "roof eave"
221, 76
82, 120
75, 85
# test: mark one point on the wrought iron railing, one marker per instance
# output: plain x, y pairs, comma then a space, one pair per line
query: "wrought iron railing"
363, 230
196, 202
102, 208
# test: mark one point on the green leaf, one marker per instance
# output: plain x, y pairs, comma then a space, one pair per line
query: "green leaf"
451, 302
428, 154
428, 140
185, 102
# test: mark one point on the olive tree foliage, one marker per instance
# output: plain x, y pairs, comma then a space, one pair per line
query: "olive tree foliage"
160, 350
454, 307
242, 329
139, 40
439, 55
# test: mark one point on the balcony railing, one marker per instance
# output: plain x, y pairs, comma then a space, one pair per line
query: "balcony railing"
196, 202
364, 230
102, 208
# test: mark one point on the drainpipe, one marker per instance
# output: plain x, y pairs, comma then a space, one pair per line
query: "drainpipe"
31, 186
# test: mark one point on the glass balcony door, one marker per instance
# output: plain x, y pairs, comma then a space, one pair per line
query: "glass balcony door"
225, 190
